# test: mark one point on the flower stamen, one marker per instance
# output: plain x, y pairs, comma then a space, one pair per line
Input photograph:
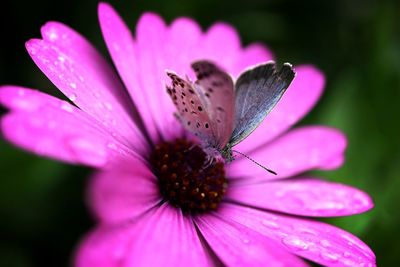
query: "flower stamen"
185, 179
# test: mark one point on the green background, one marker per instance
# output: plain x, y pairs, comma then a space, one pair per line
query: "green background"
355, 43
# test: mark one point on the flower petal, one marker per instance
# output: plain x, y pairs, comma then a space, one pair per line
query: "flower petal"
251, 55
107, 245
124, 53
316, 241
237, 245
299, 99
221, 44
163, 237
299, 150
333, 163
305, 196
83, 75
174, 236
54, 128
123, 191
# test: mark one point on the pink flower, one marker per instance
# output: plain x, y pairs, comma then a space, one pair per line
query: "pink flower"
262, 220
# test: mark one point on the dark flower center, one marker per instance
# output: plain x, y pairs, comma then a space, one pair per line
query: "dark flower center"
186, 177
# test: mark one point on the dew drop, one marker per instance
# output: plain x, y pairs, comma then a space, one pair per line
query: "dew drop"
293, 242
73, 85
52, 36
325, 243
307, 231
270, 224
108, 106
349, 263
112, 145
66, 107
329, 257
72, 97
346, 254
61, 59
96, 94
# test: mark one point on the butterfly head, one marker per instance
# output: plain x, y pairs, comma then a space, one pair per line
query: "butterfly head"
227, 153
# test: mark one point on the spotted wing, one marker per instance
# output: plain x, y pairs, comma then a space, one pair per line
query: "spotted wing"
191, 109
216, 89
257, 91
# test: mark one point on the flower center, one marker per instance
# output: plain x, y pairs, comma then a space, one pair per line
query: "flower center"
186, 178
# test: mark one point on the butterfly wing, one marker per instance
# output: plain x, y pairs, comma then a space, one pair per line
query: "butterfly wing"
257, 91
216, 89
191, 109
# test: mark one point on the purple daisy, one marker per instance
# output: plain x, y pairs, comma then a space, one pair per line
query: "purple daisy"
155, 202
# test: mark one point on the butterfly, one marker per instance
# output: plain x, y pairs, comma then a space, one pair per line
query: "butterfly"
222, 113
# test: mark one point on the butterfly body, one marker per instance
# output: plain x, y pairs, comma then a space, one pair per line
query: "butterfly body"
222, 113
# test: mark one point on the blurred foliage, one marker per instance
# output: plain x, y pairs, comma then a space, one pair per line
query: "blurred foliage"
355, 43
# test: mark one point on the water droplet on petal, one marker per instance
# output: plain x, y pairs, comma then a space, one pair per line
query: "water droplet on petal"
108, 106
73, 85
72, 97
293, 242
61, 59
112, 145
67, 107
349, 263
270, 224
329, 257
325, 243
52, 36
303, 230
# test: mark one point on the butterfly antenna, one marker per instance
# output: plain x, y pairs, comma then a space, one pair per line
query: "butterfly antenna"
247, 157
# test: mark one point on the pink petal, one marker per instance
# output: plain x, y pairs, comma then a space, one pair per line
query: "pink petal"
251, 55
107, 245
125, 56
123, 191
297, 151
333, 163
221, 44
51, 127
307, 197
173, 237
83, 75
299, 99
237, 245
316, 241
163, 237
152, 59
182, 47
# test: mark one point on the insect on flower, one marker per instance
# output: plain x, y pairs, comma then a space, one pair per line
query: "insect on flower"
222, 113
